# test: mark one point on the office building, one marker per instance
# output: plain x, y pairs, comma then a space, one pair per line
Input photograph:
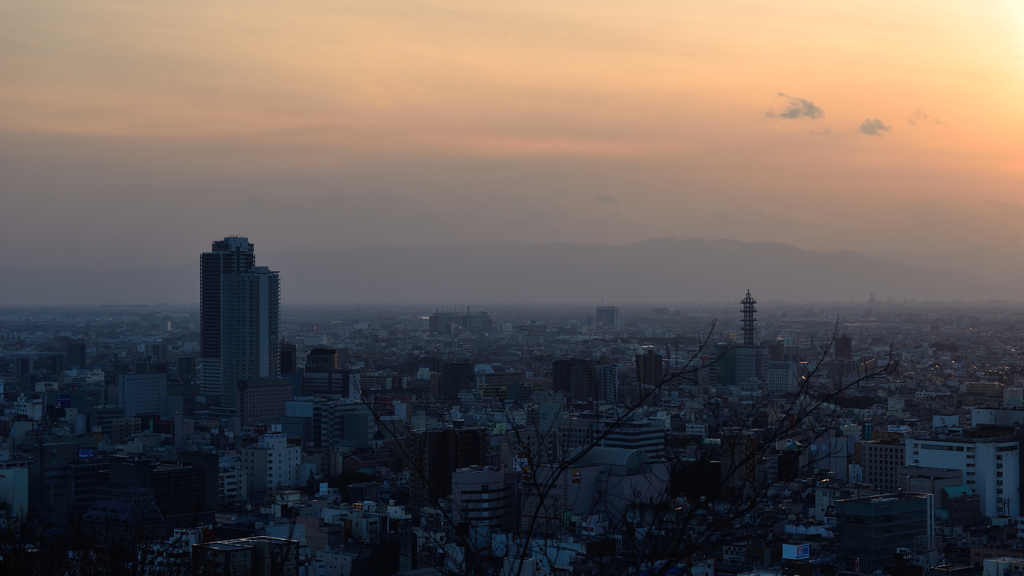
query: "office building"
606, 382
574, 377
781, 377
262, 401
649, 370
232, 255
250, 315
482, 495
320, 380
273, 462
881, 461
991, 467
289, 358
600, 481
141, 393
179, 490
455, 377
646, 435
870, 529
608, 316
435, 455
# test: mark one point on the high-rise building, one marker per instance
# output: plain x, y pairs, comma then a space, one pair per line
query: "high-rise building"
607, 382
232, 255
608, 315
250, 314
649, 370
76, 354
573, 376
454, 377
435, 455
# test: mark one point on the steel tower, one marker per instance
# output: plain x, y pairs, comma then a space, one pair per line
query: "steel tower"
748, 320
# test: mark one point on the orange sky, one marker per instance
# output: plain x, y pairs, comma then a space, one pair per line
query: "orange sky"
327, 124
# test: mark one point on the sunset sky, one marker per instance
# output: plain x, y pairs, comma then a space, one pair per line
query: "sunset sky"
137, 132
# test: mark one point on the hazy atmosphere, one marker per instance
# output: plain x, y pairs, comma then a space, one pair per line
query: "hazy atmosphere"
135, 134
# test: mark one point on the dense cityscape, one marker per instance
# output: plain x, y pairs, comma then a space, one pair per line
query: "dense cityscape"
242, 436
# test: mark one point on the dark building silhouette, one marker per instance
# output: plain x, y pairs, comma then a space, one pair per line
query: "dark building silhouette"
186, 368
331, 382
289, 358
649, 371
76, 354
232, 255
576, 377
434, 455
844, 348
322, 358
608, 315
250, 340
748, 320
455, 376
180, 491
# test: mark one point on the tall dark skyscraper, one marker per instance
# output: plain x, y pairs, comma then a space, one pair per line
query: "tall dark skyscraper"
239, 317
649, 370
250, 342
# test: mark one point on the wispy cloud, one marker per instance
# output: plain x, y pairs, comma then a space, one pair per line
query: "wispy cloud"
796, 108
824, 132
873, 127
605, 199
920, 116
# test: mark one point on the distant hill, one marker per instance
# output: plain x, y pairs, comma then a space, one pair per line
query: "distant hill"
665, 270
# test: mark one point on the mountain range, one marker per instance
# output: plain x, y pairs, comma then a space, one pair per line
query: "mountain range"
664, 270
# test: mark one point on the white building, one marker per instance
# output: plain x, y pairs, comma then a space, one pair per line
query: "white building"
272, 463
990, 467
142, 394
781, 377
233, 479
646, 435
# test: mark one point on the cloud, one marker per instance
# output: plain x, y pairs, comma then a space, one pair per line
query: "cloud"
797, 108
920, 116
605, 199
917, 115
873, 127
824, 132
